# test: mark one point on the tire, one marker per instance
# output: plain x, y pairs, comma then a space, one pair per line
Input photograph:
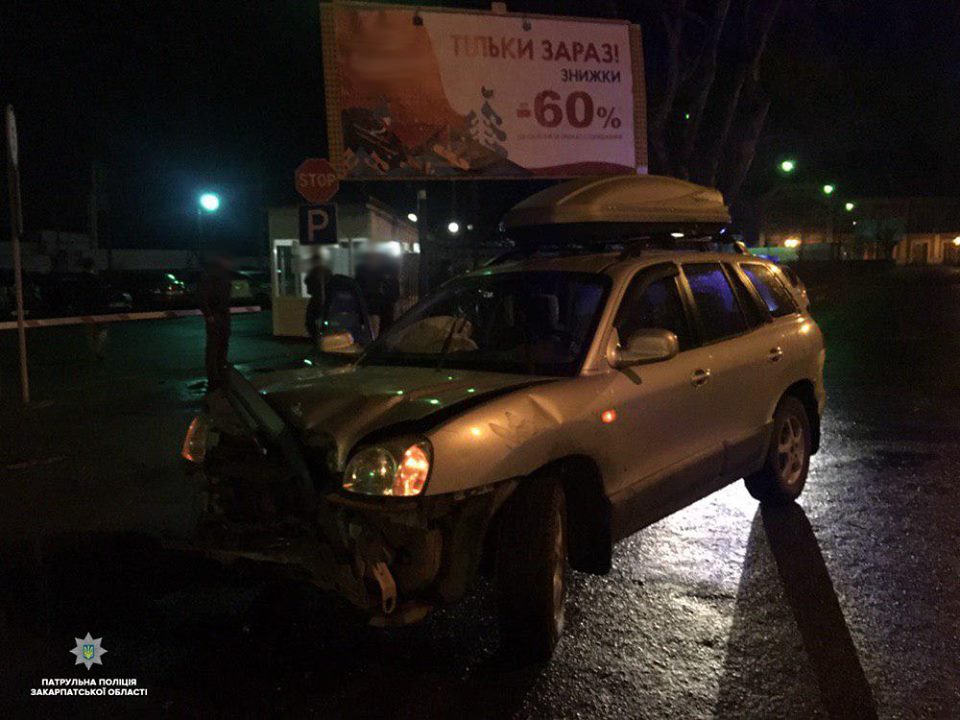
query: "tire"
531, 577
785, 468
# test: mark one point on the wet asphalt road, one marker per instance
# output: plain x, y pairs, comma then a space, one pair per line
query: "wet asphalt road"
845, 605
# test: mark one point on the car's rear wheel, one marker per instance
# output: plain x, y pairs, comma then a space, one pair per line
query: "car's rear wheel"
532, 569
785, 469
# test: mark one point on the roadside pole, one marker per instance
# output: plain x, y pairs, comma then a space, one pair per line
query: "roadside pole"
16, 229
93, 212
423, 281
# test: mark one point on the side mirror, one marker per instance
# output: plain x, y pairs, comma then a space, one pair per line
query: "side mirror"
340, 343
646, 346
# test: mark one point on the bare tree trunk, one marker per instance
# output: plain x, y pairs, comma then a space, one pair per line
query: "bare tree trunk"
659, 115
748, 74
702, 86
742, 152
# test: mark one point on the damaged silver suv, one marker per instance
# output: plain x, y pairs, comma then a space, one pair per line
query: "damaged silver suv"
528, 415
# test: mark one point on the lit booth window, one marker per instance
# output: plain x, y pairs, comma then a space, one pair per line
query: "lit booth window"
363, 230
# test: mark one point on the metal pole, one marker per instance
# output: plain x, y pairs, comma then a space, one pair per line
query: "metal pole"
16, 229
199, 237
423, 275
93, 212
475, 211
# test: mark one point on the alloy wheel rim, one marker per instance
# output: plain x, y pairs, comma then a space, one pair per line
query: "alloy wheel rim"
790, 451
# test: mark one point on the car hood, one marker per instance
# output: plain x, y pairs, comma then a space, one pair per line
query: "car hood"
349, 403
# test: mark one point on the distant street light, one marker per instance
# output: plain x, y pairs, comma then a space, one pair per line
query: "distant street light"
791, 242
210, 202
849, 207
412, 217
453, 227
788, 166
956, 241
828, 189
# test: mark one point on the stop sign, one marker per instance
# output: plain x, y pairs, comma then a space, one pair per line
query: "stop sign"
316, 180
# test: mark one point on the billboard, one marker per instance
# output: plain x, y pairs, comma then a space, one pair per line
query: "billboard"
442, 93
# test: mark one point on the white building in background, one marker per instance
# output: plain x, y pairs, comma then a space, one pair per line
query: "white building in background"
928, 249
361, 228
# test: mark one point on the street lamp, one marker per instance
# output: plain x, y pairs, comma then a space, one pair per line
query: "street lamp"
829, 188
453, 227
788, 166
210, 202
412, 217
849, 206
207, 204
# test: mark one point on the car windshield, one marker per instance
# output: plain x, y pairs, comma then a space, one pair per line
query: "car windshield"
538, 323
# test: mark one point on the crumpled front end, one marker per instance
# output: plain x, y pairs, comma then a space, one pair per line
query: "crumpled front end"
393, 558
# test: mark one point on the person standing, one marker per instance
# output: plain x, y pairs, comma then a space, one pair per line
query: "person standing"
214, 298
380, 286
91, 298
316, 281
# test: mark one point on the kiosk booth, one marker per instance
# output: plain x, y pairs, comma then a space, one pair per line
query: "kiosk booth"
362, 228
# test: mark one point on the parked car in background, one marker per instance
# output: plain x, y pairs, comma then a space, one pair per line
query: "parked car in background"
241, 290
260, 288
155, 289
32, 297
69, 294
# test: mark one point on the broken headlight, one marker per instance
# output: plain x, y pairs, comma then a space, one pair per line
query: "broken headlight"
392, 469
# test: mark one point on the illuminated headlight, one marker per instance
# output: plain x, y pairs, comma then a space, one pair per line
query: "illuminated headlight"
397, 470
195, 443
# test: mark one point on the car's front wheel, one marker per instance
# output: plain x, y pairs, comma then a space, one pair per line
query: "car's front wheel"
532, 569
785, 469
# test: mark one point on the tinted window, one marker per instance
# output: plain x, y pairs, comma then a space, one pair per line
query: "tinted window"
776, 297
751, 308
720, 314
656, 305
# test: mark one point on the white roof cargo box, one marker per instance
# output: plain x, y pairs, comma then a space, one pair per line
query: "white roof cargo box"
621, 200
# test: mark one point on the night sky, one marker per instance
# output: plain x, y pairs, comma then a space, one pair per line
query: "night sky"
171, 98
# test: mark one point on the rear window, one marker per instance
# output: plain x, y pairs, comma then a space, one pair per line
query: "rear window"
720, 314
775, 296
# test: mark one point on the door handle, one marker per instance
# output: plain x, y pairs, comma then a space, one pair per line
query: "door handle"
699, 377
775, 354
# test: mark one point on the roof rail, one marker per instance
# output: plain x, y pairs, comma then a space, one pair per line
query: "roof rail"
627, 247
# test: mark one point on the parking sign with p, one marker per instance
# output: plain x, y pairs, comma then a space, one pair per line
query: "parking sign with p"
318, 224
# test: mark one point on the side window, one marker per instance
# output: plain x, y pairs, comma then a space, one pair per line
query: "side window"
653, 304
751, 308
776, 297
720, 314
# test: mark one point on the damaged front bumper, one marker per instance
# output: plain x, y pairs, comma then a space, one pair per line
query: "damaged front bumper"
393, 559
262, 501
